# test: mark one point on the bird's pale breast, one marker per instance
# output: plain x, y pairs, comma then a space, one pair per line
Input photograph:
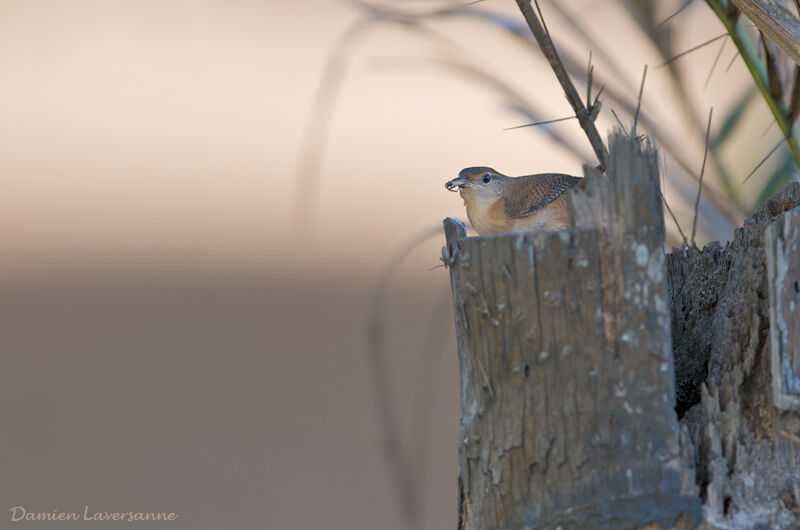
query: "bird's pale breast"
486, 215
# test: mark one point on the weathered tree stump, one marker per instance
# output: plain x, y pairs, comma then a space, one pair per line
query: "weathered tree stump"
568, 402
735, 326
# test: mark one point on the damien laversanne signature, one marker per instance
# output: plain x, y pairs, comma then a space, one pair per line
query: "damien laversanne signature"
19, 513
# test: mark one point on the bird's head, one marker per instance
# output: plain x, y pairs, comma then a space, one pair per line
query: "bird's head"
478, 182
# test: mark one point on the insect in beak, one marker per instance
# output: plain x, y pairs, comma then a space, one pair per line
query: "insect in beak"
456, 183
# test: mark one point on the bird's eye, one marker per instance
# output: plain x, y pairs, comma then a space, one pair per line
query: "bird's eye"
487, 177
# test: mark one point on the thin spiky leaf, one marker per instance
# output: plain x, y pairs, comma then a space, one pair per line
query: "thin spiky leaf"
512, 98
692, 49
783, 174
771, 152
594, 108
676, 13
734, 118
619, 122
538, 123
757, 70
549, 50
714, 64
773, 75
767, 129
577, 68
733, 59
541, 17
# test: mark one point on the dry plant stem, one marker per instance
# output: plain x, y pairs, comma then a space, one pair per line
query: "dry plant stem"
759, 73
639, 102
794, 103
693, 49
674, 219
586, 36
676, 13
411, 21
664, 199
702, 171
720, 199
730, 200
714, 65
776, 22
773, 76
731, 211
688, 110
733, 60
763, 160
534, 124
686, 107
619, 122
549, 51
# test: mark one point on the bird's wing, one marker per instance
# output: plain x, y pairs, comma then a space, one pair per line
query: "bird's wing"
532, 193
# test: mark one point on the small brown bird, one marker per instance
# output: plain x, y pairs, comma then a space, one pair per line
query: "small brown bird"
497, 203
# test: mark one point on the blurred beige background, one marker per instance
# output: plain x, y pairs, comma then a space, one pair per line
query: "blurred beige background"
170, 341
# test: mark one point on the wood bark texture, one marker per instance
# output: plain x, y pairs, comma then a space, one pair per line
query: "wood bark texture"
567, 379
783, 267
737, 358
577, 349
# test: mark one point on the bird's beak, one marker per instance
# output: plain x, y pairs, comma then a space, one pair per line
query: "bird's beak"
458, 182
